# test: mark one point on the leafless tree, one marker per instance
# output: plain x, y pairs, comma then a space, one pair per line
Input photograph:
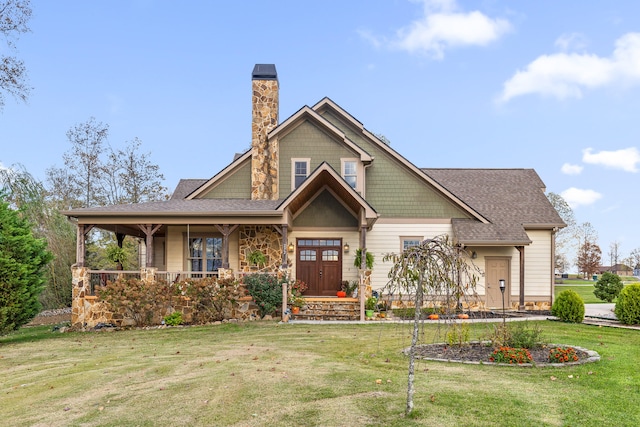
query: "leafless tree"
565, 236
434, 269
14, 21
614, 248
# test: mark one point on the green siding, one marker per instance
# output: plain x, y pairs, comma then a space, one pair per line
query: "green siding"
325, 211
237, 185
394, 191
308, 141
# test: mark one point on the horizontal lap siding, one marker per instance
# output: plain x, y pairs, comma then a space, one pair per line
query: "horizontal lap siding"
538, 263
385, 238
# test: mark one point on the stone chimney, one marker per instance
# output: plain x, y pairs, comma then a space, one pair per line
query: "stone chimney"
264, 118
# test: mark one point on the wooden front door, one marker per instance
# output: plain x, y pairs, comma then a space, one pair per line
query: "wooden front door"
319, 265
496, 269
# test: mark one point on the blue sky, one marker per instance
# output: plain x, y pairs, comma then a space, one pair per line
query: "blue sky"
549, 85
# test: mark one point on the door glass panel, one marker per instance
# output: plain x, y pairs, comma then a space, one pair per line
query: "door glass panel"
330, 255
308, 255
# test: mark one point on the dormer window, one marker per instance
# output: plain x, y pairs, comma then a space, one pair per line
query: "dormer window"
350, 172
300, 171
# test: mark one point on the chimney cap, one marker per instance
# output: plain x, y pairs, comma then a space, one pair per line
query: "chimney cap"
264, 72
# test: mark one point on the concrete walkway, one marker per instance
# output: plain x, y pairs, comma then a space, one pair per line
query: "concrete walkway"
600, 311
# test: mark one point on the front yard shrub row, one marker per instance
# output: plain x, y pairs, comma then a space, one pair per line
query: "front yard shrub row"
211, 299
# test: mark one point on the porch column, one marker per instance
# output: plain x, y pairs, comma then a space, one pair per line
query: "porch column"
226, 231
285, 240
149, 230
363, 265
521, 302
82, 231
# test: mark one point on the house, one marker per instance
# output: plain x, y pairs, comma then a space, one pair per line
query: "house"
619, 269
318, 185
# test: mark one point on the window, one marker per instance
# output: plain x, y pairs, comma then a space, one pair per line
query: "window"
300, 171
350, 172
409, 242
205, 253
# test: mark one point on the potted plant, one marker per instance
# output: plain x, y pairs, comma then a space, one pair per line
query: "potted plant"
357, 262
370, 306
117, 255
257, 258
296, 300
349, 288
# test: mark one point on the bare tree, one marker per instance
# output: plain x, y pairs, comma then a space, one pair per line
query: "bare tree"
14, 20
130, 177
614, 247
564, 236
434, 269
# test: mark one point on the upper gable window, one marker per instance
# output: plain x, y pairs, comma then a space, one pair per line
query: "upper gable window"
350, 172
300, 171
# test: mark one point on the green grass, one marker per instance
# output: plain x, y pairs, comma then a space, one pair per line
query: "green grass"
307, 375
583, 288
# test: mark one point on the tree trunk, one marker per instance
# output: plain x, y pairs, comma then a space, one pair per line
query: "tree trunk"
412, 349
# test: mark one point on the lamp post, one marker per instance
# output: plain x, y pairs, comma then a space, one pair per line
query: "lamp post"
502, 290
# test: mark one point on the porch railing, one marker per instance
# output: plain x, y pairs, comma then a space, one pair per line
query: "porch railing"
102, 277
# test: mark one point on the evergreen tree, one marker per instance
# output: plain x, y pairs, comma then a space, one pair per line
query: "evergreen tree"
22, 261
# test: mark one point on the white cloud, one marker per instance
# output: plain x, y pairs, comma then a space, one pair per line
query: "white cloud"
443, 27
570, 169
571, 41
626, 159
565, 75
578, 197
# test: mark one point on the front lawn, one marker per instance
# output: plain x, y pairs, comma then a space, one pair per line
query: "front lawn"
264, 373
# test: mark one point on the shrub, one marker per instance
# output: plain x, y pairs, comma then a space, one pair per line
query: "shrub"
511, 355
212, 298
608, 287
266, 291
525, 335
628, 305
173, 319
562, 355
137, 300
458, 334
568, 307
22, 262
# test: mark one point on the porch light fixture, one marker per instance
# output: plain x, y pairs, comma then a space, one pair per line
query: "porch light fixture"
474, 255
346, 247
290, 248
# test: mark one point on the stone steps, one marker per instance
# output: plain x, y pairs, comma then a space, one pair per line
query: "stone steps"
330, 309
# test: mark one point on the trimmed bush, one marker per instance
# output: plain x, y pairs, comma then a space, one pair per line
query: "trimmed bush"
266, 291
628, 305
568, 307
608, 287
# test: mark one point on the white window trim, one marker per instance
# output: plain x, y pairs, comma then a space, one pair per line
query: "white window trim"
405, 238
293, 169
359, 172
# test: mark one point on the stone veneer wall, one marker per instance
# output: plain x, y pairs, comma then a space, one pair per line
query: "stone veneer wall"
87, 310
264, 156
265, 239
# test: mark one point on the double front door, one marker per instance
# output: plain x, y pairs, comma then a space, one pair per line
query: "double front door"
319, 265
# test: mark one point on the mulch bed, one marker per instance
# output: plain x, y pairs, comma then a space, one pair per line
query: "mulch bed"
479, 352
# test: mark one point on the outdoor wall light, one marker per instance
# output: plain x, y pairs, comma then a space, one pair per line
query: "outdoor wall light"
474, 255
290, 248
346, 247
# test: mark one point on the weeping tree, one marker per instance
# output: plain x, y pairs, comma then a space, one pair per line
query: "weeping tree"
435, 272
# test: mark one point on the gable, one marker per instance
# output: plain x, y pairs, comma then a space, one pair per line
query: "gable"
234, 185
394, 190
307, 140
325, 211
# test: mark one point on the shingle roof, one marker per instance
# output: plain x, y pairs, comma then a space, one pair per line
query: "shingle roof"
183, 206
186, 187
509, 199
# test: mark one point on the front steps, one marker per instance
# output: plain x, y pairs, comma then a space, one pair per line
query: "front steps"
329, 308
